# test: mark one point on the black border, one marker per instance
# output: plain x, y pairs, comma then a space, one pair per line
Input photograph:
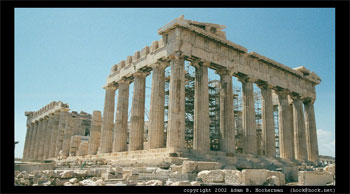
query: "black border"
7, 86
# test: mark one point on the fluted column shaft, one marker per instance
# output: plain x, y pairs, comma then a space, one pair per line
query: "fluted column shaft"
27, 141
95, 133
54, 133
156, 121
176, 111
107, 122
201, 139
311, 133
48, 137
60, 135
37, 139
121, 119
42, 139
249, 123
268, 125
137, 113
68, 131
33, 139
227, 126
284, 128
300, 148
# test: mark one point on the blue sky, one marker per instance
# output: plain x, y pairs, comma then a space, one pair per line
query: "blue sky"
66, 54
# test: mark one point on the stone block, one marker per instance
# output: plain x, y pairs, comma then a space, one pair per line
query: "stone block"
279, 175
291, 173
181, 183
154, 183
211, 176
254, 176
67, 174
207, 166
189, 166
176, 168
330, 169
144, 51
313, 178
272, 181
233, 177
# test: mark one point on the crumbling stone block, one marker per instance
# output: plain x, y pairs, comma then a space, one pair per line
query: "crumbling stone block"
313, 178
211, 176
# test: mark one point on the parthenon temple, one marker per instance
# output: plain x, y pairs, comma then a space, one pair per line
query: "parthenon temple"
54, 132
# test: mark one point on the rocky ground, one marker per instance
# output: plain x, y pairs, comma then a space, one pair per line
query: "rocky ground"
97, 172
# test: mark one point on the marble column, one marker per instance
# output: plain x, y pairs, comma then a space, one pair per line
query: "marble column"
311, 133
54, 133
201, 138
284, 121
249, 122
27, 141
68, 131
60, 132
33, 139
156, 113
121, 120
42, 139
136, 137
176, 111
95, 133
107, 122
37, 139
300, 149
227, 125
48, 136
268, 124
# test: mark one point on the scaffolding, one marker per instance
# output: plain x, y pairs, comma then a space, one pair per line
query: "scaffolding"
214, 113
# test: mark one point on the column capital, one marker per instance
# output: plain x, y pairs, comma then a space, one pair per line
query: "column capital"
308, 100
224, 71
141, 74
124, 80
160, 64
110, 87
200, 62
245, 79
263, 84
279, 90
294, 96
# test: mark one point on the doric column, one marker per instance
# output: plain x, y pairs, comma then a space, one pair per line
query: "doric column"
42, 139
300, 148
54, 134
311, 133
68, 131
137, 112
33, 139
27, 141
268, 125
227, 126
121, 118
156, 113
176, 111
284, 128
249, 123
95, 132
60, 135
201, 139
107, 122
48, 136
37, 139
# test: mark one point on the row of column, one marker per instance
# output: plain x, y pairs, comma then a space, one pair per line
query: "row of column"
297, 138
51, 135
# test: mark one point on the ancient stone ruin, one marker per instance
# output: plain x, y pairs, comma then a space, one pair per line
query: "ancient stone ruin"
101, 150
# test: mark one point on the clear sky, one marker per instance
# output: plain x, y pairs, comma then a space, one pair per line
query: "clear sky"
66, 54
